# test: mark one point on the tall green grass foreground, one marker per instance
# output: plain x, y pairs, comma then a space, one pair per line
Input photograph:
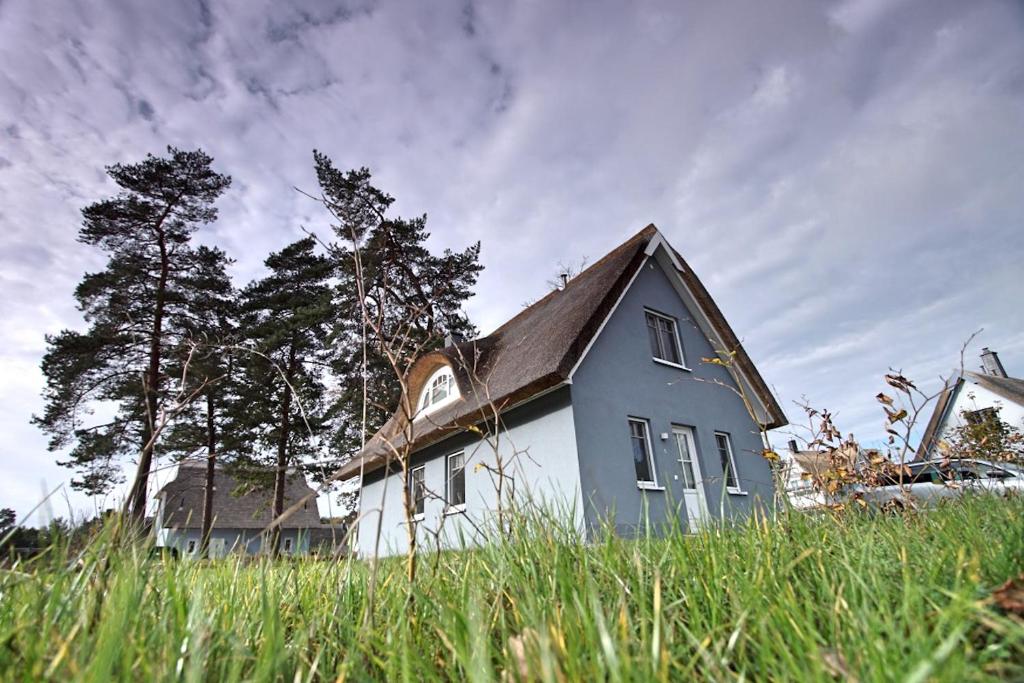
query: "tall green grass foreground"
798, 598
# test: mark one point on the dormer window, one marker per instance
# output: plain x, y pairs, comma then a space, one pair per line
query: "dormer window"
439, 390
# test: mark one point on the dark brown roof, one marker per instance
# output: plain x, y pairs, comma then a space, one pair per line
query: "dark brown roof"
183, 501
536, 350
1010, 388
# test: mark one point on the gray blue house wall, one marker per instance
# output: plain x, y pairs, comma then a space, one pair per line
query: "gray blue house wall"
539, 447
618, 379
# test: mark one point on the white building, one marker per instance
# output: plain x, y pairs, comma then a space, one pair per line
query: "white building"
974, 396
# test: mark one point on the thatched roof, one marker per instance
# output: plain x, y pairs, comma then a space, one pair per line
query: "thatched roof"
182, 499
537, 350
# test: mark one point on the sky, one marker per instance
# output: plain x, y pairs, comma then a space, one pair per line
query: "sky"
845, 177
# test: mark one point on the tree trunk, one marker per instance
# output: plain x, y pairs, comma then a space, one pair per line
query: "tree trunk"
211, 465
140, 487
280, 476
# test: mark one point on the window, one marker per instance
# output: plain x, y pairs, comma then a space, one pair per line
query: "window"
455, 487
664, 338
440, 389
418, 490
982, 417
639, 437
191, 547
732, 482
287, 545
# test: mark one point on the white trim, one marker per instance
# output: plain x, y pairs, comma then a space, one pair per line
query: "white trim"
659, 241
454, 509
412, 491
736, 490
453, 392
608, 317
448, 481
669, 363
653, 483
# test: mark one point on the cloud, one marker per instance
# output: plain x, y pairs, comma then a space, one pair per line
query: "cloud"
843, 176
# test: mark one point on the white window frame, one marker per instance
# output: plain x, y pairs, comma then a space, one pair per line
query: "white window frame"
418, 516
428, 387
460, 507
191, 546
738, 488
644, 485
287, 545
675, 335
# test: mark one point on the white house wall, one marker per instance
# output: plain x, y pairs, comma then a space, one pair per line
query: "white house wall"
538, 445
975, 397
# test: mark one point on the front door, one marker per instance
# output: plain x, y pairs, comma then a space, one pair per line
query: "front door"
693, 485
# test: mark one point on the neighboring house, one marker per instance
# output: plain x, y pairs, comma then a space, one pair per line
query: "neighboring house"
238, 520
975, 397
800, 469
606, 409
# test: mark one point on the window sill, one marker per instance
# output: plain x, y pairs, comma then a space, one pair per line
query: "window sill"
669, 363
649, 486
736, 492
455, 510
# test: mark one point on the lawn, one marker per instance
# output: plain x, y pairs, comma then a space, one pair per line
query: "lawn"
874, 597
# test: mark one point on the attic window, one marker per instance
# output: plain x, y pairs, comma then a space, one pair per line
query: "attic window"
439, 390
663, 334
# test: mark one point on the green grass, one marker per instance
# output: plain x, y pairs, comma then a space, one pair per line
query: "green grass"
797, 598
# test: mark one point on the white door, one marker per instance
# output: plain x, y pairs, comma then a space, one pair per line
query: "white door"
693, 485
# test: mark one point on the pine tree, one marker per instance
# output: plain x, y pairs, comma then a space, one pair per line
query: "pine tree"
130, 307
413, 297
285, 319
203, 363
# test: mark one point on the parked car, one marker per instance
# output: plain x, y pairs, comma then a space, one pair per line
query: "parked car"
926, 483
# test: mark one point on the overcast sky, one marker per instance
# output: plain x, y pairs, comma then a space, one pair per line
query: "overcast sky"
847, 178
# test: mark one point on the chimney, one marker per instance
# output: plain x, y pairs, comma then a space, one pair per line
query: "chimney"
565, 279
793, 447
990, 363
451, 339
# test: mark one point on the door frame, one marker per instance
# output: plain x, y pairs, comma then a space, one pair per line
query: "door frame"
690, 434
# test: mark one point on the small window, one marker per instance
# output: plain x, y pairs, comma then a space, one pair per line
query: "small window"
455, 487
664, 338
440, 389
981, 417
639, 437
191, 547
724, 444
418, 490
287, 545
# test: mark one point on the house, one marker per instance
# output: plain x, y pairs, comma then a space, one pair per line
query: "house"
803, 470
974, 397
238, 520
606, 408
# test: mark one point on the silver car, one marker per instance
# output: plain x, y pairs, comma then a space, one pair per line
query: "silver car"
927, 483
